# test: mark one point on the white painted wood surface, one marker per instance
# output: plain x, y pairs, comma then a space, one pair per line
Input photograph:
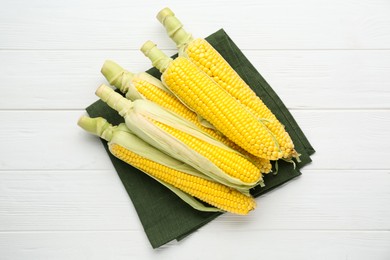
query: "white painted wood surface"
65, 201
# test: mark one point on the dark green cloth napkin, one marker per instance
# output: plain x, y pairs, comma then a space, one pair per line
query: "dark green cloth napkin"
163, 215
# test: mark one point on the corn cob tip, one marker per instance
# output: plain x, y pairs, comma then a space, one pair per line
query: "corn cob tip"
163, 14
158, 58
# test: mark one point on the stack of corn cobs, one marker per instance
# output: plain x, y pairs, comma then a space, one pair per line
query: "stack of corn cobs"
200, 130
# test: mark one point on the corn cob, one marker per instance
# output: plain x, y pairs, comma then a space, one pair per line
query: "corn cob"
199, 92
144, 86
183, 140
211, 62
182, 179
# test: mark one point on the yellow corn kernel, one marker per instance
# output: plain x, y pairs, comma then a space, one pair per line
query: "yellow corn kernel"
230, 162
164, 99
213, 193
264, 165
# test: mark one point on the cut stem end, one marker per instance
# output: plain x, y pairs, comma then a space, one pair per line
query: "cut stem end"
114, 74
174, 27
158, 58
97, 126
114, 99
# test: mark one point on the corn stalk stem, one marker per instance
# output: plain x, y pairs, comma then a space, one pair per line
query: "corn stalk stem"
114, 100
158, 58
97, 126
114, 74
174, 27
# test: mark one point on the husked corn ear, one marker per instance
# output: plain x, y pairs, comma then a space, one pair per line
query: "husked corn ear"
215, 105
184, 141
169, 101
214, 65
211, 62
213, 193
127, 147
210, 101
236, 166
128, 83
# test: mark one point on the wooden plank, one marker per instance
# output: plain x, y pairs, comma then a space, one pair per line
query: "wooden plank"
253, 24
321, 199
46, 140
65, 200
294, 245
303, 79
344, 139
52, 140
96, 200
63, 79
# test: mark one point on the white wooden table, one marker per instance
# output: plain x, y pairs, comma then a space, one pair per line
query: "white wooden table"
329, 61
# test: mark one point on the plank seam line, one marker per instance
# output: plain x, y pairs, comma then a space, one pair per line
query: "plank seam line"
170, 49
305, 170
291, 109
205, 231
